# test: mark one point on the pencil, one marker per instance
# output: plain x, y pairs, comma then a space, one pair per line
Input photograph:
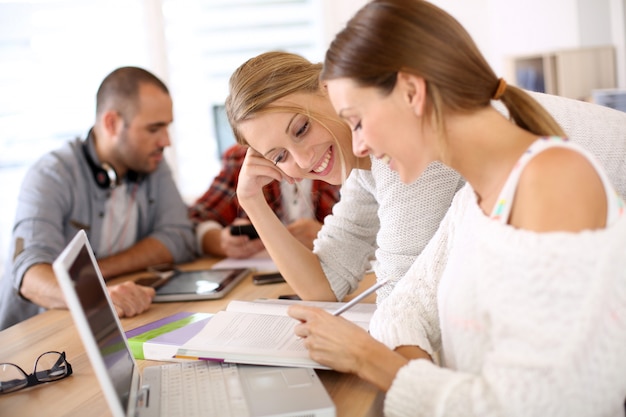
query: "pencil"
359, 297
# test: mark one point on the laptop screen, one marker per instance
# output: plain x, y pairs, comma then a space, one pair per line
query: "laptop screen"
117, 358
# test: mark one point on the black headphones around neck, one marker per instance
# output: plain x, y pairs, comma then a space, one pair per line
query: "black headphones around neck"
104, 174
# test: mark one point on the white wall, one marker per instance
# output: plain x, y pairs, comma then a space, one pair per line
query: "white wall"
336, 13
618, 35
593, 16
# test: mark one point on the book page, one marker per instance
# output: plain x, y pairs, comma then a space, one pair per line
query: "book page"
255, 337
360, 314
246, 330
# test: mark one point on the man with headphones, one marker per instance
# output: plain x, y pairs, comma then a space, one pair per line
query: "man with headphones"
116, 186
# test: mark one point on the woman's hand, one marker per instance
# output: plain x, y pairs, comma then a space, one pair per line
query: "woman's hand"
256, 172
332, 341
342, 345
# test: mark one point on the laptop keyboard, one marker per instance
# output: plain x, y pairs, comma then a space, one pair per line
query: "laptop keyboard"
202, 388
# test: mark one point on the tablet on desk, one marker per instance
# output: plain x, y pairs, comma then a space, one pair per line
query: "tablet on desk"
203, 284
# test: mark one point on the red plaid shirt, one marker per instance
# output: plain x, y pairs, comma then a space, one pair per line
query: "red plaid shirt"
220, 202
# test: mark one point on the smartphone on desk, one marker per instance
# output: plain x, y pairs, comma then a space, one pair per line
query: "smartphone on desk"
244, 229
289, 297
267, 278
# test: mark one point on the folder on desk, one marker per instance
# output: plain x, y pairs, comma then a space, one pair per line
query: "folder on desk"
161, 339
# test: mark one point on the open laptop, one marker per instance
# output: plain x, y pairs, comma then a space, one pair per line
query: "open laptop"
244, 390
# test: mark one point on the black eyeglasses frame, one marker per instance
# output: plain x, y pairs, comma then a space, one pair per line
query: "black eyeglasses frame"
39, 377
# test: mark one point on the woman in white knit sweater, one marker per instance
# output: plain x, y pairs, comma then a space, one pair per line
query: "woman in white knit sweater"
521, 293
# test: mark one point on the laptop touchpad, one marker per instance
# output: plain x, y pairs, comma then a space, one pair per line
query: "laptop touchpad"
297, 377
277, 379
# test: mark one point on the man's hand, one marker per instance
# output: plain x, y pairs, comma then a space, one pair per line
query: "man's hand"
130, 299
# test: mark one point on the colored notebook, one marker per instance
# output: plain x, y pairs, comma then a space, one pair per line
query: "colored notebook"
161, 339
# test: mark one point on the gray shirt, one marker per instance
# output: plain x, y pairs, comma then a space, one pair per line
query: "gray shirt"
59, 196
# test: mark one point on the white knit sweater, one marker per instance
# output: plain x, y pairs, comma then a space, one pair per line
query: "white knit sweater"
532, 327
379, 216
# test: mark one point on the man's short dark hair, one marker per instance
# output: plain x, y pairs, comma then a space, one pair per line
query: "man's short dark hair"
120, 90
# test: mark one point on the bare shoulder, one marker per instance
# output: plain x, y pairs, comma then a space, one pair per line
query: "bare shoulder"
559, 190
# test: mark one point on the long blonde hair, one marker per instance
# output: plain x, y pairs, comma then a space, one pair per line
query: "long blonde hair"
259, 82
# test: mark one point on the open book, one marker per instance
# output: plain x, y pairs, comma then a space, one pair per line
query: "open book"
261, 333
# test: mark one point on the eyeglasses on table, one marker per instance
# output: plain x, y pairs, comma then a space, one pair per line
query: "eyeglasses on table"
49, 366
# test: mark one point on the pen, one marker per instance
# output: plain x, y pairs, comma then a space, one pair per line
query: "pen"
359, 297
